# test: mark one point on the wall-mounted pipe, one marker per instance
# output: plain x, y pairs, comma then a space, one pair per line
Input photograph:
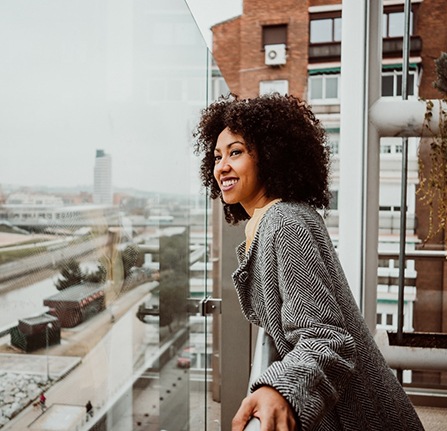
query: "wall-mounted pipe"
411, 358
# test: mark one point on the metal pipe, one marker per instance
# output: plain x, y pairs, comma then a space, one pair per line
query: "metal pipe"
406, 117
404, 178
265, 354
370, 235
353, 88
423, 254
411, 358
361, 59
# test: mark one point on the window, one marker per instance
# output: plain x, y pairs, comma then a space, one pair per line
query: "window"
333, 204
391, 208
392, 83
394, 24
324, 88
391, 146
325, 30
389, 320
219, 87
280, 86
385, 148
385, 320
274, 34
333, 139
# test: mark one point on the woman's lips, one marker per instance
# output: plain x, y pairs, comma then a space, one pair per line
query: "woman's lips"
227, 184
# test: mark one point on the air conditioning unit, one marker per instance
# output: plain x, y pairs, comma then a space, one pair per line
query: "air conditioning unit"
275, 55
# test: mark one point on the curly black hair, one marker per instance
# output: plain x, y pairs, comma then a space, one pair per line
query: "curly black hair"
290, 143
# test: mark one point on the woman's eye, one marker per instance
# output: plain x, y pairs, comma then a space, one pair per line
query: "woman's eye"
235, 152
217, 159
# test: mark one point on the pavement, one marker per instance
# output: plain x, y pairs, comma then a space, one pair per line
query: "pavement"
59, 366
96, 359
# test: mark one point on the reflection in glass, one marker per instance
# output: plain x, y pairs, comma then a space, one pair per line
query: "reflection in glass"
321, 30
103, 227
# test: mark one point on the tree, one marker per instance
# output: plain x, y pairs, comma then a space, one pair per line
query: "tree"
97, 276
132, 256
71, 274
174, 277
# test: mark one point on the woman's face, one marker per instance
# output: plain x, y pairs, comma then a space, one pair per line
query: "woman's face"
236, 172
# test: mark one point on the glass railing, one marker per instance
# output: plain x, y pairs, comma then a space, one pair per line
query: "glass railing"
104, 231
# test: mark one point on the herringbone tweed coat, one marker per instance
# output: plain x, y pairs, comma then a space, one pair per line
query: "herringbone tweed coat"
330, 369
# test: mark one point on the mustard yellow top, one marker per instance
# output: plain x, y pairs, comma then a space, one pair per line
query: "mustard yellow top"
252, 226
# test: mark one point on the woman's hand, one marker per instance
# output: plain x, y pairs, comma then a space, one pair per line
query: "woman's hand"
270, 407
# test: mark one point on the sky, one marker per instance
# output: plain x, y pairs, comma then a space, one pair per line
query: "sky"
128, 78
209, 12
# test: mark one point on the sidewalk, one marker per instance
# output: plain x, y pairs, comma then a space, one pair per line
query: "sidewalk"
98, 356
59, 366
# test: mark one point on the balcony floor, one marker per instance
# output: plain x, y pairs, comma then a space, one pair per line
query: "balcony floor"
433, 418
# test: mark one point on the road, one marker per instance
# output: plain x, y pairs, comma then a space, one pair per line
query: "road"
49, 259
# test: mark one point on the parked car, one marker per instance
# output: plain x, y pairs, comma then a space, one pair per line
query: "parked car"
187, 358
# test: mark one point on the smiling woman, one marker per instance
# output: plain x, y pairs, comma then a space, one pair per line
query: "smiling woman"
266, 158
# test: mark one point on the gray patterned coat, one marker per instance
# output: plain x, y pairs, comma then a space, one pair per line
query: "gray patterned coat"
331, 371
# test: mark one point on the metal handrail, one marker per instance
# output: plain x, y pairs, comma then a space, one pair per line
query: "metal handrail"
265, 354
423, 254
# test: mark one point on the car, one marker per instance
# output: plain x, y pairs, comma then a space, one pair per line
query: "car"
187, 358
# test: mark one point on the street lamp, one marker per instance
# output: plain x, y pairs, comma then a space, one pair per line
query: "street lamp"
49, 326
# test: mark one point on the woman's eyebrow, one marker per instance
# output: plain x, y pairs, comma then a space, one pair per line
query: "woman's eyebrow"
229, 145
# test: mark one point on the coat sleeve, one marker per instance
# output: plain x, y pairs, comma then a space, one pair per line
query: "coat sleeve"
322, 353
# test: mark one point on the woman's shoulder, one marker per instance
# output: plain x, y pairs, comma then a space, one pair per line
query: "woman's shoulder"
296, 213
284, 218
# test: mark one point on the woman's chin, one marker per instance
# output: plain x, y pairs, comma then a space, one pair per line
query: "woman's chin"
229, 201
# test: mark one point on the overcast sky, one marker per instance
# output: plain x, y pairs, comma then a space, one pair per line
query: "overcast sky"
209, 12
82, 75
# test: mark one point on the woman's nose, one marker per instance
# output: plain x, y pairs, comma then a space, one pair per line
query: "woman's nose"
222, 166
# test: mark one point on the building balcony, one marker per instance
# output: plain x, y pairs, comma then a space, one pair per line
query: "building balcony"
392, 48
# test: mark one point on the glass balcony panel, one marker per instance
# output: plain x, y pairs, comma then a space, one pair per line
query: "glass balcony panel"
422, 347
104, 232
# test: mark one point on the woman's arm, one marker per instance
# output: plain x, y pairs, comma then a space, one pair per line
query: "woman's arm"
322, 353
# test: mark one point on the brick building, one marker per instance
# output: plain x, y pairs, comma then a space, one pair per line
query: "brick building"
294, 47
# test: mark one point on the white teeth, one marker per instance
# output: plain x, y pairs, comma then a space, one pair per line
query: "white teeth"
228, 183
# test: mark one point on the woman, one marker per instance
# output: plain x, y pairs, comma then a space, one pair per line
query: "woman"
267, 160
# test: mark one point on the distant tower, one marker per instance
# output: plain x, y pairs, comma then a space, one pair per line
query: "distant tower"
102, 187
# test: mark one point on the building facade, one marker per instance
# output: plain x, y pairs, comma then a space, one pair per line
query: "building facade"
295, 48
